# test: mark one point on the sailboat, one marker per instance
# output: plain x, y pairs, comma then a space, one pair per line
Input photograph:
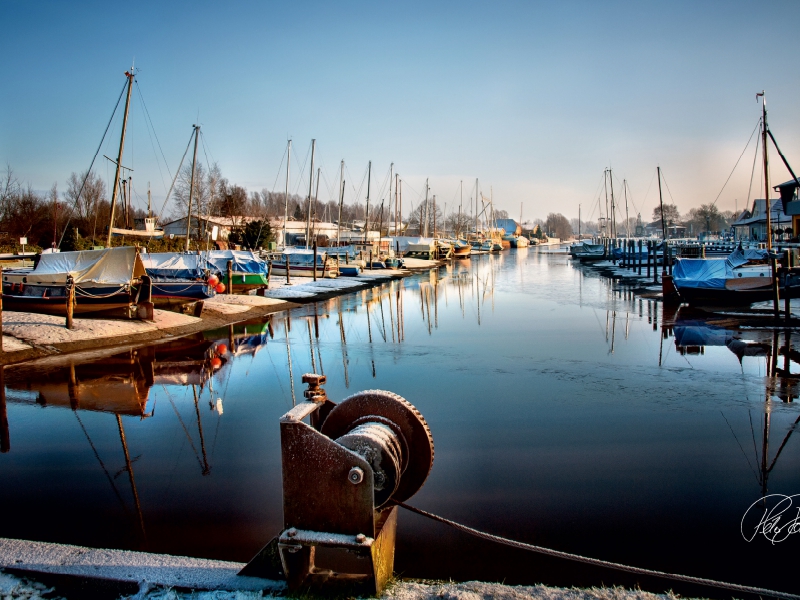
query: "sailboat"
150, 228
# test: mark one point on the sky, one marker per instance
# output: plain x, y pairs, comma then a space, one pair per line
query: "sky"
534, 99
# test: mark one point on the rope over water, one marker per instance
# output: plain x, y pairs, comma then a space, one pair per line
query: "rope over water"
600, 563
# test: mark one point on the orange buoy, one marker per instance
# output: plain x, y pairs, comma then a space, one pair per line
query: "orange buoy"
216, 363
222, 350
220, 288
213, 280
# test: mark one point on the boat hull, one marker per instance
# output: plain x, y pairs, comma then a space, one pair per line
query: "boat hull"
52, 300
279, 270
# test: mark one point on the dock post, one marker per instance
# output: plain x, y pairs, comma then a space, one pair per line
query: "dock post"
655, 262
5, 438
286, 256
649, 255
314, 267
369, 265
786, 303
70, 288
230, 276
639, 258
1, 308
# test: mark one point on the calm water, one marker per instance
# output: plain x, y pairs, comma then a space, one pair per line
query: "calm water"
563, 413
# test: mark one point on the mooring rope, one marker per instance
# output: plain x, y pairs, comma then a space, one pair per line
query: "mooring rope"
597, 562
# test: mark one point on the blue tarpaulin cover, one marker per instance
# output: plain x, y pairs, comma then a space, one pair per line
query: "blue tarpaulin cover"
711, 273
708, 273
701, 335
164, 266
244, 261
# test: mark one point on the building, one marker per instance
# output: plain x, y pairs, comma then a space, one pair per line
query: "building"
510, 226
751, 225
203, 225
791, 205
656, 229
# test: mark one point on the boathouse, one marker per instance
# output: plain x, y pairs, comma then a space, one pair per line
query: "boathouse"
204, 224
791, 204
751, 225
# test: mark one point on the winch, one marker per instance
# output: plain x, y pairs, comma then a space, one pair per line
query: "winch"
343, 467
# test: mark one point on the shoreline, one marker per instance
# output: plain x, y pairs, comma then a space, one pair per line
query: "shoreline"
30, 336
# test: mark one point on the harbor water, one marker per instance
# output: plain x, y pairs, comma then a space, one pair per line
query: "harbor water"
567, 411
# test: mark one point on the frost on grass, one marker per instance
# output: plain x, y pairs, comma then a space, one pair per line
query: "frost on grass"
14, 588
476, 590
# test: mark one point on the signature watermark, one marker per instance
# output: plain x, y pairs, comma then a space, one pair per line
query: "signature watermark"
775, 516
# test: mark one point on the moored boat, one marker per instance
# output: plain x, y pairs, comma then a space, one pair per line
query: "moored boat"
178, 279
301, 263
249, 272
107, 282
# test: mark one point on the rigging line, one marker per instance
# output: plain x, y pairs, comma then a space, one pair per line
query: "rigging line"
174, 179
664, 179
737, 162
740, 447
302, 171
147, 114
649, 187
100, 145
595, 561
783, 158
752, 173
102, 465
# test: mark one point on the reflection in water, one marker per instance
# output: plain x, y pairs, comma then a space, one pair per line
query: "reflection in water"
563, 415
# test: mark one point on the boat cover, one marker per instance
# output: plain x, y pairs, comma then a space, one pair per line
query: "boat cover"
340, 251
701, 335
304, 256
111, 266
712, 273
167, 266
405, 241
244, 261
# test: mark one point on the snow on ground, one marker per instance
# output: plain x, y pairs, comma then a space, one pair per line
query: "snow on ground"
13, 588
12, 344
241, 299
49, 329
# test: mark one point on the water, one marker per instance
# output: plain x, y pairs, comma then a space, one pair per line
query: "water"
566, 412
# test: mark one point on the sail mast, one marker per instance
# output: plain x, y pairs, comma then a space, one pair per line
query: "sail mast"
625, 191
613, 211
286, 197
191, 186
115, 188
366, 219
426, 208
310, 187
764, 134
341, 200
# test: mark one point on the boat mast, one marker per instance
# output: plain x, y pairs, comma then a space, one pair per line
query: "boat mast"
366, 220
310, 187
426, 208
191, 186
149, 203
625, 191
764, 134
401, 203
286, 197
613, 211
476, 208
579, 222
396, 205
661, 203
341, 200
389, 208
115, 188
316, 201
605, 188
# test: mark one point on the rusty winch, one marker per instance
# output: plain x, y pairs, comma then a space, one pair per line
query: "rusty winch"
343, 466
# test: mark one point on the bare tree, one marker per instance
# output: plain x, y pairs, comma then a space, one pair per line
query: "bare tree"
84, 203
558, 226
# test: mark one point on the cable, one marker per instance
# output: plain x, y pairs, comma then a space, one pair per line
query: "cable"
75, 204
737, 163
597, 562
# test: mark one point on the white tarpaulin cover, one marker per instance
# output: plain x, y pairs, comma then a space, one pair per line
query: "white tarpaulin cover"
112, 266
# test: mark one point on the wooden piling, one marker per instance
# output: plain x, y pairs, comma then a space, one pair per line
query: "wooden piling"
1, 308
314, 269
286, 256
70, 288
230, 277
639, 259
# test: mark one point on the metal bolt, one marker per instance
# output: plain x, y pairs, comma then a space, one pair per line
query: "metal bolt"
361, 538
315, 393
356, 475
291, 532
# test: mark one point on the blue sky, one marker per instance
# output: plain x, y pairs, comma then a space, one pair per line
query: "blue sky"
534, 99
